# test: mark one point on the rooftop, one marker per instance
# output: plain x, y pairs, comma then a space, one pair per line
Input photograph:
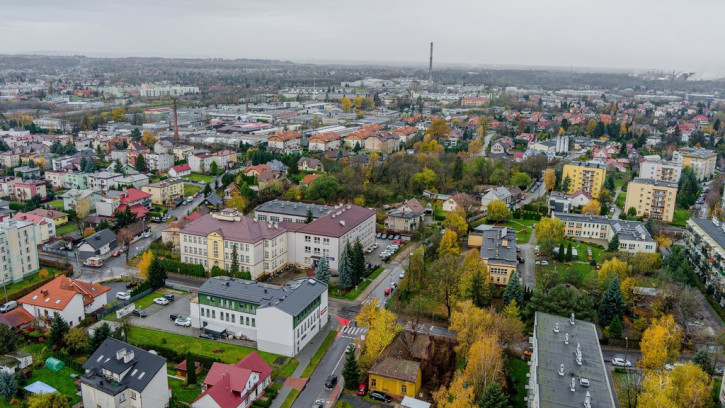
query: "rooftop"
499, 245
293, 208
627, 230
715, 232
137, 367
397, 368
57, 293
233, 226
338, 222
656, 183
590, 164
291, 298
553, 352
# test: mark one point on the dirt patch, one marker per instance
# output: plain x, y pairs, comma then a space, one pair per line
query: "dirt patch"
296, 383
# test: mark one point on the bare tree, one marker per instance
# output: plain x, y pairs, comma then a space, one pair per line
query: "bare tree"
124, 238
630, 386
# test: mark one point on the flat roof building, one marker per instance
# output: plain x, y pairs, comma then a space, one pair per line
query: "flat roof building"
633, 236
280, 210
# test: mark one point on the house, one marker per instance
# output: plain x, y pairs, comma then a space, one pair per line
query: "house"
383, 142
27, 172
460, 200
17, 319
281, 319
285, 141
73, 196
580, 199
496, 193
44, 227
559, 202
164, 192
70, 299
407, 216
587, 176
100, 243
104, 180
163, 146
652, 198
308, 179
201, 162
7, 185
133, 180
25, 190
56, 178
254, 171
234, 385
395, 376
310, 164
76, 180
181, 369
19, 250
324, 141
267, 178
9, 159
498, 252
500, 146
5, 210
213, 201
180, 170
118, 372
633, 237
182, 152
159, 161
277, 167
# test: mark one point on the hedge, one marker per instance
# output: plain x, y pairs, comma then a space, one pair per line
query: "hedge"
24, 291
140, 288
170, 265
63, 266
172, 355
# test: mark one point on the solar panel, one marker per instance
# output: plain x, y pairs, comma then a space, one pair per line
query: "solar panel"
617, 228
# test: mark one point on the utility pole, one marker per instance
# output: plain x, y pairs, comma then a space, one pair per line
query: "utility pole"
430, 67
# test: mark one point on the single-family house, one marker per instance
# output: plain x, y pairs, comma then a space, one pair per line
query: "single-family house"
496, 193
460, 200
180, 170
70, 299
72, 196
234, 385
59, 217
100, 243
27, 172
580, 198
310, 164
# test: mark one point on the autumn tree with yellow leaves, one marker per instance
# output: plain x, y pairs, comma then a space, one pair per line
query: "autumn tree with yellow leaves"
383, 329
144, 264
449, 244
660, 343
685, 386
613, 268
549, 179
592, 208
456, 221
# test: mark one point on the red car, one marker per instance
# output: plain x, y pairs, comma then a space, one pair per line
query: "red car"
117, 252
388, 290
523, 197
362, 389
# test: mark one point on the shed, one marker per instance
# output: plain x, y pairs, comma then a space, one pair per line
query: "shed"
54, 364
215, 331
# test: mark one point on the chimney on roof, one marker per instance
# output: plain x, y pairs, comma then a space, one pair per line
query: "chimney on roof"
128, 357
120, 353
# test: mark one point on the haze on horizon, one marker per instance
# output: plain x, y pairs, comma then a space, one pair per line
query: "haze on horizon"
637, 35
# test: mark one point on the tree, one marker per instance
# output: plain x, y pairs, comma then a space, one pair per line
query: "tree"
485, 363
474, 147
148, 139
117, 114
615, 328
458, 169
357, 261
351, 371
309, 218
82, 208
548, 232
514, 290
237, 202
424, 180
660, 343
459, 395
190, 369
141, 163
613, 268
612, 304
416, 268
323, 188
644, 263
685, 386
90, 166
76, 340
565, 184
345, 104
593, 207
449, 244
122, 219
568, 253
437, 129
613, 244
383, 328
156, 273
687, 188
445, 274
8, 340
561, 256
474, 284
497, 211
8, 386
58, 330
521, 179
145, 264
214, 169
456, 221
100, 334
124, 238
234, 265
702, 359
649, 224
493, 397
322, 272
54, 400
344, 268
549, 179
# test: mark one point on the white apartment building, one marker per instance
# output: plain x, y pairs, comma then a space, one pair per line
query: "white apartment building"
201, 163
654, 168
633, 237
18, 250
104, 180
159, 161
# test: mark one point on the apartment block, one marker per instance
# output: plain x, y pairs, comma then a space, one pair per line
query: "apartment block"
633, 236
652, 198
587, 176
705, 244
164, 192
702, 161
654, 168
18, 250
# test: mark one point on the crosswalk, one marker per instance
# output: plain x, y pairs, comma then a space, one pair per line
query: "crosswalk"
353, 330
366, 301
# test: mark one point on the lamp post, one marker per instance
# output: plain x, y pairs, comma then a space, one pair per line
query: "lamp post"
626, 348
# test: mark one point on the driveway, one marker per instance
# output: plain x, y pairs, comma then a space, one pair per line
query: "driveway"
158, 317
527, 270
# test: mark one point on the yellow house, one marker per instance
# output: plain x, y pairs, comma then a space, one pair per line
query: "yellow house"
652, 198
58, 217
164, 192
498, 252
395, 376
587, 176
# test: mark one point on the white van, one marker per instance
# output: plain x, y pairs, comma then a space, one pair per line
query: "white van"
8, 306
93, 261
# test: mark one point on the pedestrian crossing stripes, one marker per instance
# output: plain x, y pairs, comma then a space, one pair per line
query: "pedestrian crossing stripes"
354, 330
366, 301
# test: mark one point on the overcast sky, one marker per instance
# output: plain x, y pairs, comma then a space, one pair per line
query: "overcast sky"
637, 34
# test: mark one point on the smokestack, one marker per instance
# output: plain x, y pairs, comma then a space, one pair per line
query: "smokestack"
430, 67
176, 123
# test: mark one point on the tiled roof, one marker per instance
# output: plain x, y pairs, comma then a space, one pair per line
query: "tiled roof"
336, 223
54, 214
16, 318
181, 167
308, 179
241, 230
391, 367
133, 194
57, 293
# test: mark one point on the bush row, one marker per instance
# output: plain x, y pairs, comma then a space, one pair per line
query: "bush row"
170, 265
51, 263
171, 355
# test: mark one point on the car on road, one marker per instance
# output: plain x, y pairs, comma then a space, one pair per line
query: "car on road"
169, 296
331, 381
362, 389
161, 301
620, 362
377, 395
584, 382
720, 370
402, 274
350, 348
206, 336
388, 290
139, 313
195, 195
123, 295
174, 316
183, 321
117, 252
131, 284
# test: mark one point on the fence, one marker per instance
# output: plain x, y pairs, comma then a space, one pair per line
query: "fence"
105, 312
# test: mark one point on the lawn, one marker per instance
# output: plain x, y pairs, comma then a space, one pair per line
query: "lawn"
190, 189
200, 177
61, 381
57, 204
680, 217
582, 251
621, 198
523, 228
288, 368
66, 229
335, 292
315, 360
518, 370
27, 281
147, 300
184, 394
291, 397
563, 270
228, 353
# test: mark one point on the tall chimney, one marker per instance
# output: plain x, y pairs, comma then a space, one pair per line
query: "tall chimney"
176, 122
430, 67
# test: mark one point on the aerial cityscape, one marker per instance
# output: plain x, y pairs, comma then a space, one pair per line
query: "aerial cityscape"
233, 209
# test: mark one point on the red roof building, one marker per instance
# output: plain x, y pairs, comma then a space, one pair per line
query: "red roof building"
235, 385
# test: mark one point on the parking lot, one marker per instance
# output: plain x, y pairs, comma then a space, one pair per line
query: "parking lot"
158, 316
374, 257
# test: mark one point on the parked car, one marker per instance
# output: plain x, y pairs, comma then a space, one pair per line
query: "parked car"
584, 382
131, 284
402, 274
620, 362
384, 254
123, 295
169, 296
523, 196
720, 370
370, 250
377, 395
139, 313
174, 316
8, 306
183, 321
388, 290
362, 389
117, 252
318, 404
196, 195
376, 245
397, 237
161, 301
331, 381
378, 235
206, 336
390, 236
350, 348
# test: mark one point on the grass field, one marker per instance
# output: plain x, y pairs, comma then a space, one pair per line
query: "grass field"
518, 370
57, 204
524, 229
66, 229
190, 189
621, 198
185, 394
582, 251
315, 360
291, 397
200, 177
228, 353
147, 300
61, 381
353, 294
289, 368
563, 270
680, 217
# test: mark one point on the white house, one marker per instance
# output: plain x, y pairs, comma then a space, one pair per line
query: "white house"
120, 375
180, 170
104, 180
62, 297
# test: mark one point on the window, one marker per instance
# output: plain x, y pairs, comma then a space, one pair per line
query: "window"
317, 240
133, 395
122, 397
253, 322
307, 238
373, 383
403, 389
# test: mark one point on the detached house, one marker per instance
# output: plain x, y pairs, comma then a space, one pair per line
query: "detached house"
100, 243
180, 170
234, 385
460, 200
62, 297
497, 193
406, 217
310, 164
383, 142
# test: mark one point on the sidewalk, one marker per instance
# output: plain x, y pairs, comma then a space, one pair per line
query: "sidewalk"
304, 358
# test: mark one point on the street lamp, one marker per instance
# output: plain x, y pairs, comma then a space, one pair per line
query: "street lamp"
626, 347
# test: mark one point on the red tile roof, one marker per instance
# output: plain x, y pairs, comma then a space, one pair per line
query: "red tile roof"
132, 194
57, 293
34, 218
308, 179
138, 209
16, 318
226, 383
181, 168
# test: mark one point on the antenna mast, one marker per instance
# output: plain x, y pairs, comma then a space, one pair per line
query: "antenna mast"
430, 66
